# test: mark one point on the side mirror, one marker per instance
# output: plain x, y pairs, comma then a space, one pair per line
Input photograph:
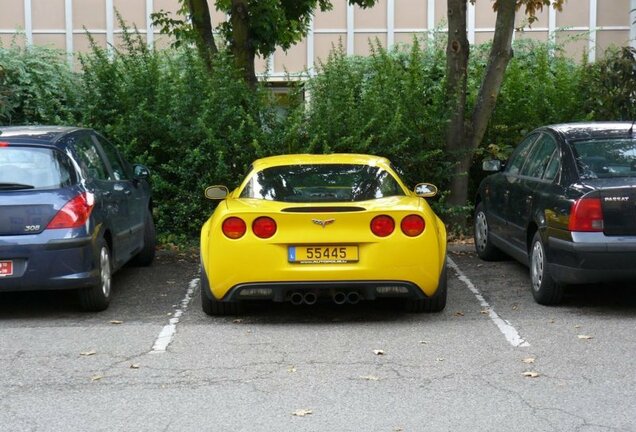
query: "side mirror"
425, 190
216, 192
491, 165
140, 172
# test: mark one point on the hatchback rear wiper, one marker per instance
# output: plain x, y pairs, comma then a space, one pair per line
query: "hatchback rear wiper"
15, 186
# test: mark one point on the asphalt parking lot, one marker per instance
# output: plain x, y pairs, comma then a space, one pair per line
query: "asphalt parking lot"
492, 360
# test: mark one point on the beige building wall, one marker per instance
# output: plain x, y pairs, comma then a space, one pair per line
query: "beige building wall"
587, 27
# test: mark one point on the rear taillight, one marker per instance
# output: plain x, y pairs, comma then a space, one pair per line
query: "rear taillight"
4, 144
264, 227
412, 225
75, 213
586, 214
382, 225
234, 228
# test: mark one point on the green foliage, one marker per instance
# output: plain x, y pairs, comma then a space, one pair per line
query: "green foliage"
609, 86
193, 129
36, 86
389, 103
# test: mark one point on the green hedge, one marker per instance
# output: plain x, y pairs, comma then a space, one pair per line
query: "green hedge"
194, 129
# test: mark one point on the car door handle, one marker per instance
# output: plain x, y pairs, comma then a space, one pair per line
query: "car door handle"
106, 194
127, 191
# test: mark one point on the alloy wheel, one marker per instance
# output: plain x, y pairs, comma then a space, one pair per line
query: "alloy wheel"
104, 263
481, 230
536, 266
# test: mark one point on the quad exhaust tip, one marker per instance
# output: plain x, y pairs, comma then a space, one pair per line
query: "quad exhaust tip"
309, 298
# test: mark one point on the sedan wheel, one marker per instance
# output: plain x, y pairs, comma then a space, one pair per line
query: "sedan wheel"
483, 245
97, 297
544, 289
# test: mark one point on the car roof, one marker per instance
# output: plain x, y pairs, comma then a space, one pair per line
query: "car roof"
44, 135
309, 159
592, 130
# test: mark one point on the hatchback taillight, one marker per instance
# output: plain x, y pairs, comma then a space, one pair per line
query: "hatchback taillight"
586, 214
264, 227
412, 225
382, 225
75, 213
233, 228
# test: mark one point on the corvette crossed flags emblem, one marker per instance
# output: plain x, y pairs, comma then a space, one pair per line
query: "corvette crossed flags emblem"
323, 223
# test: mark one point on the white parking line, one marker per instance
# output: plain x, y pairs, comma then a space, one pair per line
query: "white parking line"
510, 333
167, 333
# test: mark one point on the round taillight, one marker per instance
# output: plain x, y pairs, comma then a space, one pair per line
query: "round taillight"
412, 225
382, 225
234, 228
264, 227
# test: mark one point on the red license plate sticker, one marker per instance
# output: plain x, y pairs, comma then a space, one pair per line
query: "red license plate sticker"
6, 268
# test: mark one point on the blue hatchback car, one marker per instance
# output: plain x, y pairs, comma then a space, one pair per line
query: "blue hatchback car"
72, 212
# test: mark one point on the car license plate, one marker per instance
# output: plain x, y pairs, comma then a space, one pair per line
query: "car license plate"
331, 254
6, 268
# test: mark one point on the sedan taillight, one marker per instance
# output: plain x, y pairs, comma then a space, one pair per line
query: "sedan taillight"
75, 213
586, 214
382, 225
233, 228
264, 227
412, 225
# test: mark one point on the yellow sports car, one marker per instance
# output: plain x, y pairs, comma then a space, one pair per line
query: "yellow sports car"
340, 227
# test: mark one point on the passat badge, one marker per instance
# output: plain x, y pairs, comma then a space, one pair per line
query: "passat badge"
323, 223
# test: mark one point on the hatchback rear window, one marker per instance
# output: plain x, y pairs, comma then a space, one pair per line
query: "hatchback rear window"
321, 183
34, 168
606, 158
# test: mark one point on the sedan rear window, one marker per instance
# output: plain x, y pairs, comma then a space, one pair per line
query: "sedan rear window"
321, 183
606, 158
33, 168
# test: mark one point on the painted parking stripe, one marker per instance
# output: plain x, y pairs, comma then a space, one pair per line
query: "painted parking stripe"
510, 333
167, 333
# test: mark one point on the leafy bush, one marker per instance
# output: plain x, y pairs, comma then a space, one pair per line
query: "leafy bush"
36, 86
193, 129
389, 103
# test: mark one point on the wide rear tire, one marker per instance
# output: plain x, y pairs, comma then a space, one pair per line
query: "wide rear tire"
212, 306
437, 303
97, 297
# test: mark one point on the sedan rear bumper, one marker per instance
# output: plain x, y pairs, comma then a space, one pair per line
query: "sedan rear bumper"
42, 263
592, 258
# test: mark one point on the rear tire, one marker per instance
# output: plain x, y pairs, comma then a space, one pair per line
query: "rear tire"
97, 297
545, 289
147, 254
212, 306
483, 245
437, 303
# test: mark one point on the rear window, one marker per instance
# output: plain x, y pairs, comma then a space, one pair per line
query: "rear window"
606, 158
34, 168
322, 183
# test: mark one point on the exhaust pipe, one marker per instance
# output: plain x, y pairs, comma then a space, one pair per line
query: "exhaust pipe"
297, 298
310, 298
339, 298
353, 297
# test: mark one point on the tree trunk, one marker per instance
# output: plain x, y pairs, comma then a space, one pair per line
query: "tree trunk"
202, 25
457, 52
500, 55
242, 48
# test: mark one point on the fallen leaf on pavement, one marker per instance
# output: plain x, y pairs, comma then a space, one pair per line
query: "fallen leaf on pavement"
484, 312
88, 353
116, 322
423, 342
291, 369
531, 374
459, 313
378, 352
370, 378
96, 378
585, 337
134, 366
237, 321
528, 360
440, 359
302, 412
577, 326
